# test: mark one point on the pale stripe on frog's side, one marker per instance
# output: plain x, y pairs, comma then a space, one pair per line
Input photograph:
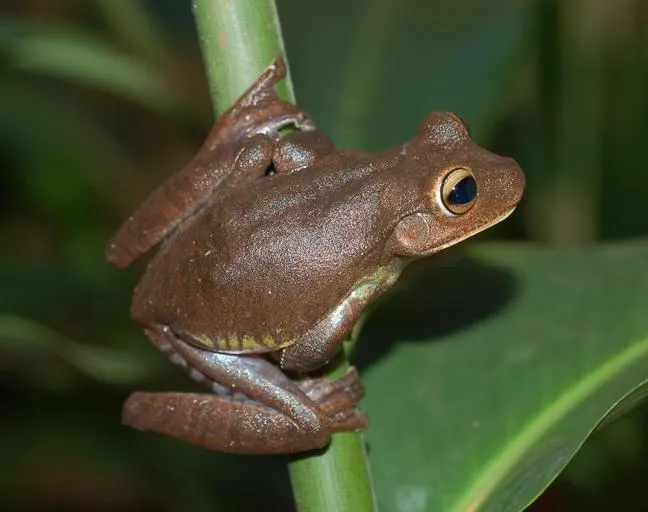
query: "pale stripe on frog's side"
362, 291
235, 344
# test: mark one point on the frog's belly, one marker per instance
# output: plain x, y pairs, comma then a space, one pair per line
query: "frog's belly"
233, 310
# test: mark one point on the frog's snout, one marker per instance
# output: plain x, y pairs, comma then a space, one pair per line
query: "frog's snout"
517, 181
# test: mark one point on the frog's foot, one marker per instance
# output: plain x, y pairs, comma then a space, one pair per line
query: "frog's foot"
338, 399
216, 423
262, 412
333, 396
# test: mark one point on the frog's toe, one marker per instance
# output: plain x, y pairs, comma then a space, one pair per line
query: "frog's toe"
318, 388
335, 398
341, 402
327, 393
349, 421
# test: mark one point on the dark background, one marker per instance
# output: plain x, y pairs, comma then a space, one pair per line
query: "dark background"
100, 100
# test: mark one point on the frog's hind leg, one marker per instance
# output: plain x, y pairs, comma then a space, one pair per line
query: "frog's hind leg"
257, 409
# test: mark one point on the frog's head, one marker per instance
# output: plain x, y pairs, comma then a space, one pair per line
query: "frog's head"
463, 188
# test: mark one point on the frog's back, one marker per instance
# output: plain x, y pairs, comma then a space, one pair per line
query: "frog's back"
255, 272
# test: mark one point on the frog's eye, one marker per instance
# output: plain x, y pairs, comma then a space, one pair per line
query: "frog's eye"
459, 191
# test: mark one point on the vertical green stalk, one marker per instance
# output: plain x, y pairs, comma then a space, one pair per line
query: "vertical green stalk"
563, 204
335, 479
581, 83
371, 37
239, 39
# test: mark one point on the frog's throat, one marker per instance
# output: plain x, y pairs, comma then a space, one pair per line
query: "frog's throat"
497, 220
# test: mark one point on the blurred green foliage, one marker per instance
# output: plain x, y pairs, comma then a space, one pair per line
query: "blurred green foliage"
100, 100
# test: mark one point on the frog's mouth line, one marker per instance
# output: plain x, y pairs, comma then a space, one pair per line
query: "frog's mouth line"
477, 231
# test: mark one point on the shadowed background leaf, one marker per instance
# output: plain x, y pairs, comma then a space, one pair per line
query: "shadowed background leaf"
490, 412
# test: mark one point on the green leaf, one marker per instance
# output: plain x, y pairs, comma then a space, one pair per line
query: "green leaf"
499, 368
81, 57
21, 336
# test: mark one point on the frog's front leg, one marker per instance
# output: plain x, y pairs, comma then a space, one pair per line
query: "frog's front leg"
184, 193
265, 411
321, 342
258, 112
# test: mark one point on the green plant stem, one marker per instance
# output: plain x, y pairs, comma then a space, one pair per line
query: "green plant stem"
335, 479
239, 40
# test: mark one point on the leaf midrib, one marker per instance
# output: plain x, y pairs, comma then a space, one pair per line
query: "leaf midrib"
504, 460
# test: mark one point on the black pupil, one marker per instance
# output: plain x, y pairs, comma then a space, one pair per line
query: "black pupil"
464, 191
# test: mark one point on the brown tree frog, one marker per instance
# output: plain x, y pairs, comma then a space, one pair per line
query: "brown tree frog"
270, 248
